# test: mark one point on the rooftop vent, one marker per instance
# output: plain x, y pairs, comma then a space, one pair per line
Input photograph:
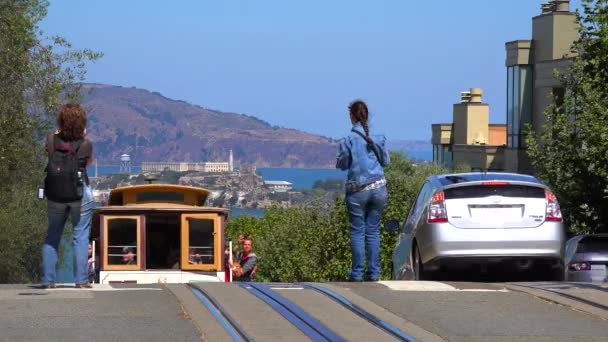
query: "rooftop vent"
546, 7
561, 5
555, 6
465, 96
471, 96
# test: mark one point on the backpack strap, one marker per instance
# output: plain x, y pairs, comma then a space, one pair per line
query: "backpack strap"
372, 145
50, 143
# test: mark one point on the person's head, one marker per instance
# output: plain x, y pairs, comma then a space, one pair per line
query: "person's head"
247, 245
359, 114
241, 238
71, 121
128, 254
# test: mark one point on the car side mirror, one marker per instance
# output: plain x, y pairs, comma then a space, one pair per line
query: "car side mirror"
391, 226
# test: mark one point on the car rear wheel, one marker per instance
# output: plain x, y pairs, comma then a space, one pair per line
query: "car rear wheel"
419, 273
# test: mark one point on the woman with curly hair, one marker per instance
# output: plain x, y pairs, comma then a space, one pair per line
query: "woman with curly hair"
68, 139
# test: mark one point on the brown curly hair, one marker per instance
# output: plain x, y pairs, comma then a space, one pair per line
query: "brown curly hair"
72, 121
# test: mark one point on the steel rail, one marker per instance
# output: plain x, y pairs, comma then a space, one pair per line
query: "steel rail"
565, 295
314, 329
237, 333
361, 313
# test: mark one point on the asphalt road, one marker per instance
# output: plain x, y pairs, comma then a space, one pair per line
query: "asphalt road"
145, 313
428, 311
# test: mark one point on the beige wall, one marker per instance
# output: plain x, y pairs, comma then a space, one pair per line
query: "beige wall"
553, 35
476, 156
442, 134
471, 122
519, 52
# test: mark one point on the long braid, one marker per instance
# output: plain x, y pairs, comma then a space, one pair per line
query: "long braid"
358, 110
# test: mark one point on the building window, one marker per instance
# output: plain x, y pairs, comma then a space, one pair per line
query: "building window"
519, 103
446, 156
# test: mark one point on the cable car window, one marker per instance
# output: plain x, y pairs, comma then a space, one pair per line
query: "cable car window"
122, 241
158, 196
200, 242
200, 249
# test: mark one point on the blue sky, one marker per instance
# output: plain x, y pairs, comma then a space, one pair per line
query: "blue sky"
298, 63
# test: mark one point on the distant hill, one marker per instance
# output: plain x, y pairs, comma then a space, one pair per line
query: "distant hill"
151, 127
410, 145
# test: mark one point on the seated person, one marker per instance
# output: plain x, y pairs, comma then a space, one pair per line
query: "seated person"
194, 258
128, 256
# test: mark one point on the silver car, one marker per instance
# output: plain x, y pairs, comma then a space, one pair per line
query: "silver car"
587, 258
462, 220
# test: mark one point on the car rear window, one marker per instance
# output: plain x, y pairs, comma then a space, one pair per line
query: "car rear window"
475, 191
593, 244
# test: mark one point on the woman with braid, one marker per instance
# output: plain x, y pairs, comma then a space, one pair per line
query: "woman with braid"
364, 156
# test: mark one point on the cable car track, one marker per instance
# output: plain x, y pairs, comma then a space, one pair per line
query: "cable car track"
311, 327
237, 333
568, 296
391, 330
314, 329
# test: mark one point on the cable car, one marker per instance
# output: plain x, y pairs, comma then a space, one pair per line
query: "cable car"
159, 233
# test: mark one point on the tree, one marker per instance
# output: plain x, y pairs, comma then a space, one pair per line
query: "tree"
311, 242
570, 152
36, 75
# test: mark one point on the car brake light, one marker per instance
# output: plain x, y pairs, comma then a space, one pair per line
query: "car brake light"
580, 266
553, 212
489, 183
437, 212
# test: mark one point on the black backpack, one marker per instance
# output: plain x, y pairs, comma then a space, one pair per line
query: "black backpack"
63, 182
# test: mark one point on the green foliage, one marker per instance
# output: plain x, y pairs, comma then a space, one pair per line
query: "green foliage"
329, 185
570, 153
37, 73
112, 181
311, 242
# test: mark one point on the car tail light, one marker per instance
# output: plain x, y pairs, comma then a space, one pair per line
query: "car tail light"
553, 212
580, 266
437, 212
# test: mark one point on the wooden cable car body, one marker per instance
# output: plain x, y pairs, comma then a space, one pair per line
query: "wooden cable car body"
159, 233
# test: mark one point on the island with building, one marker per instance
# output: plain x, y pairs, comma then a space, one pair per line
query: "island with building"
228, 185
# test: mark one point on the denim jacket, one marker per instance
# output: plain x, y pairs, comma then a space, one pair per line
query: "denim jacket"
362, 164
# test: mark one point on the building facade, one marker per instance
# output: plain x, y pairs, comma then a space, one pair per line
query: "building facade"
531, 86
531, 82
470, 141
210, 167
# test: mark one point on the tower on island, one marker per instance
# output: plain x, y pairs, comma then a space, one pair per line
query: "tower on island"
125, 163
231, 162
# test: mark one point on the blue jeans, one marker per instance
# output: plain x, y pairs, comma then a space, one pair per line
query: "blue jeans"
80, 214
364, 211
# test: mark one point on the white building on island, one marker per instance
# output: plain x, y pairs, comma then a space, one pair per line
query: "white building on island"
278, 186
209, 167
